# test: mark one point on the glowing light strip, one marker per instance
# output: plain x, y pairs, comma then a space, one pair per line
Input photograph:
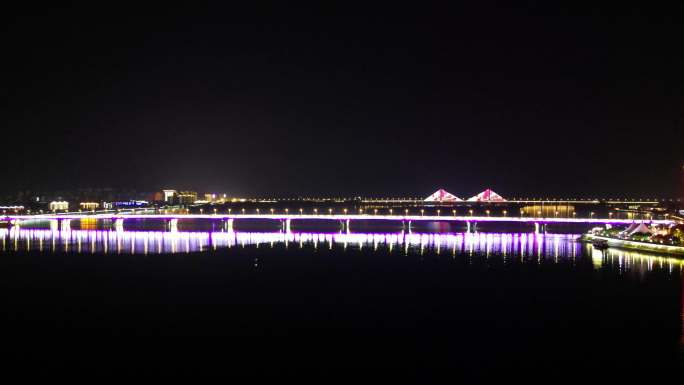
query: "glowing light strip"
335, 217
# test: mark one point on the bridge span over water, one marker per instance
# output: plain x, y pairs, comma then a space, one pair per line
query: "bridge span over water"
344, 219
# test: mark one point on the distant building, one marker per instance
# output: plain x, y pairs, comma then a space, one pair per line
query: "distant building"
186, 197
5, 209
89, 205
130, 204
170, 195
59, 206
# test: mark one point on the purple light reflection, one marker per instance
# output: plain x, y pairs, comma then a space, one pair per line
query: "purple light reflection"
510, 246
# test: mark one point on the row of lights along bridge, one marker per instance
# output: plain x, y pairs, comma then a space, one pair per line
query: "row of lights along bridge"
330, 211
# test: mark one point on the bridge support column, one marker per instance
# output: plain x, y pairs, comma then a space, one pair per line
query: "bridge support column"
228, 225
536, 227
172, 225
285, 225
118, 224
467, 226
64, 224
406, 226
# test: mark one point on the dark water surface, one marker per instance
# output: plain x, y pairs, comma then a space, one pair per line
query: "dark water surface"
421, 307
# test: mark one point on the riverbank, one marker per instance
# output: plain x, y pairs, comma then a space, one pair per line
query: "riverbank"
634, 245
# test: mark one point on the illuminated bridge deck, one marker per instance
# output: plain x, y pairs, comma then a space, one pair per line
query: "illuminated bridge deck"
338, 217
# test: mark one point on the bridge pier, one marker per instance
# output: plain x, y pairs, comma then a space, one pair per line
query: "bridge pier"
228, 225
118, 224
406, 226
172, 225
345, 226
539, 228
285, 225
471, 227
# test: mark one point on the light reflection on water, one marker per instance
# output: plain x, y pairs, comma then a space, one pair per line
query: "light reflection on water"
522, 246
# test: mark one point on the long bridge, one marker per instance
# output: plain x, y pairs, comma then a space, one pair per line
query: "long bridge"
345, 219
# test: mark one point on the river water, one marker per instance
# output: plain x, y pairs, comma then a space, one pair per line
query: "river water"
418, 306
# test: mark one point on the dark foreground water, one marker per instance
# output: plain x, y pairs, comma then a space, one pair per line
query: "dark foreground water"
380, 307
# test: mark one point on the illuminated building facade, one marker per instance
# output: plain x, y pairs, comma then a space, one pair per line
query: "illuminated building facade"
169, 195
186, 197
59, 206
89, 205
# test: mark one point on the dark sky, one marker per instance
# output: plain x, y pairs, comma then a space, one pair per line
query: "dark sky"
527, 100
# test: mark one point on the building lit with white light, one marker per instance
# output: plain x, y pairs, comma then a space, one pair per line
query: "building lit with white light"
89, 205
186, 197
59, 206
169, 195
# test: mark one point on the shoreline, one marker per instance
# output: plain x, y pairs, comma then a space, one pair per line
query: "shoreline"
638, 246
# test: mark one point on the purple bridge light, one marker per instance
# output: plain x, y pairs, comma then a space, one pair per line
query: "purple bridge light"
339, 217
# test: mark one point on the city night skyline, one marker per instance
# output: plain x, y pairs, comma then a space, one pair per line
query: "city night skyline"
288, 101
466, 192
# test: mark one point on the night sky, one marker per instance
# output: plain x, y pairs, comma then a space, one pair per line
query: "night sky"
286, 101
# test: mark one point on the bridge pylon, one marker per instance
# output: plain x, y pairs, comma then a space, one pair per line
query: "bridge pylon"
285, 225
